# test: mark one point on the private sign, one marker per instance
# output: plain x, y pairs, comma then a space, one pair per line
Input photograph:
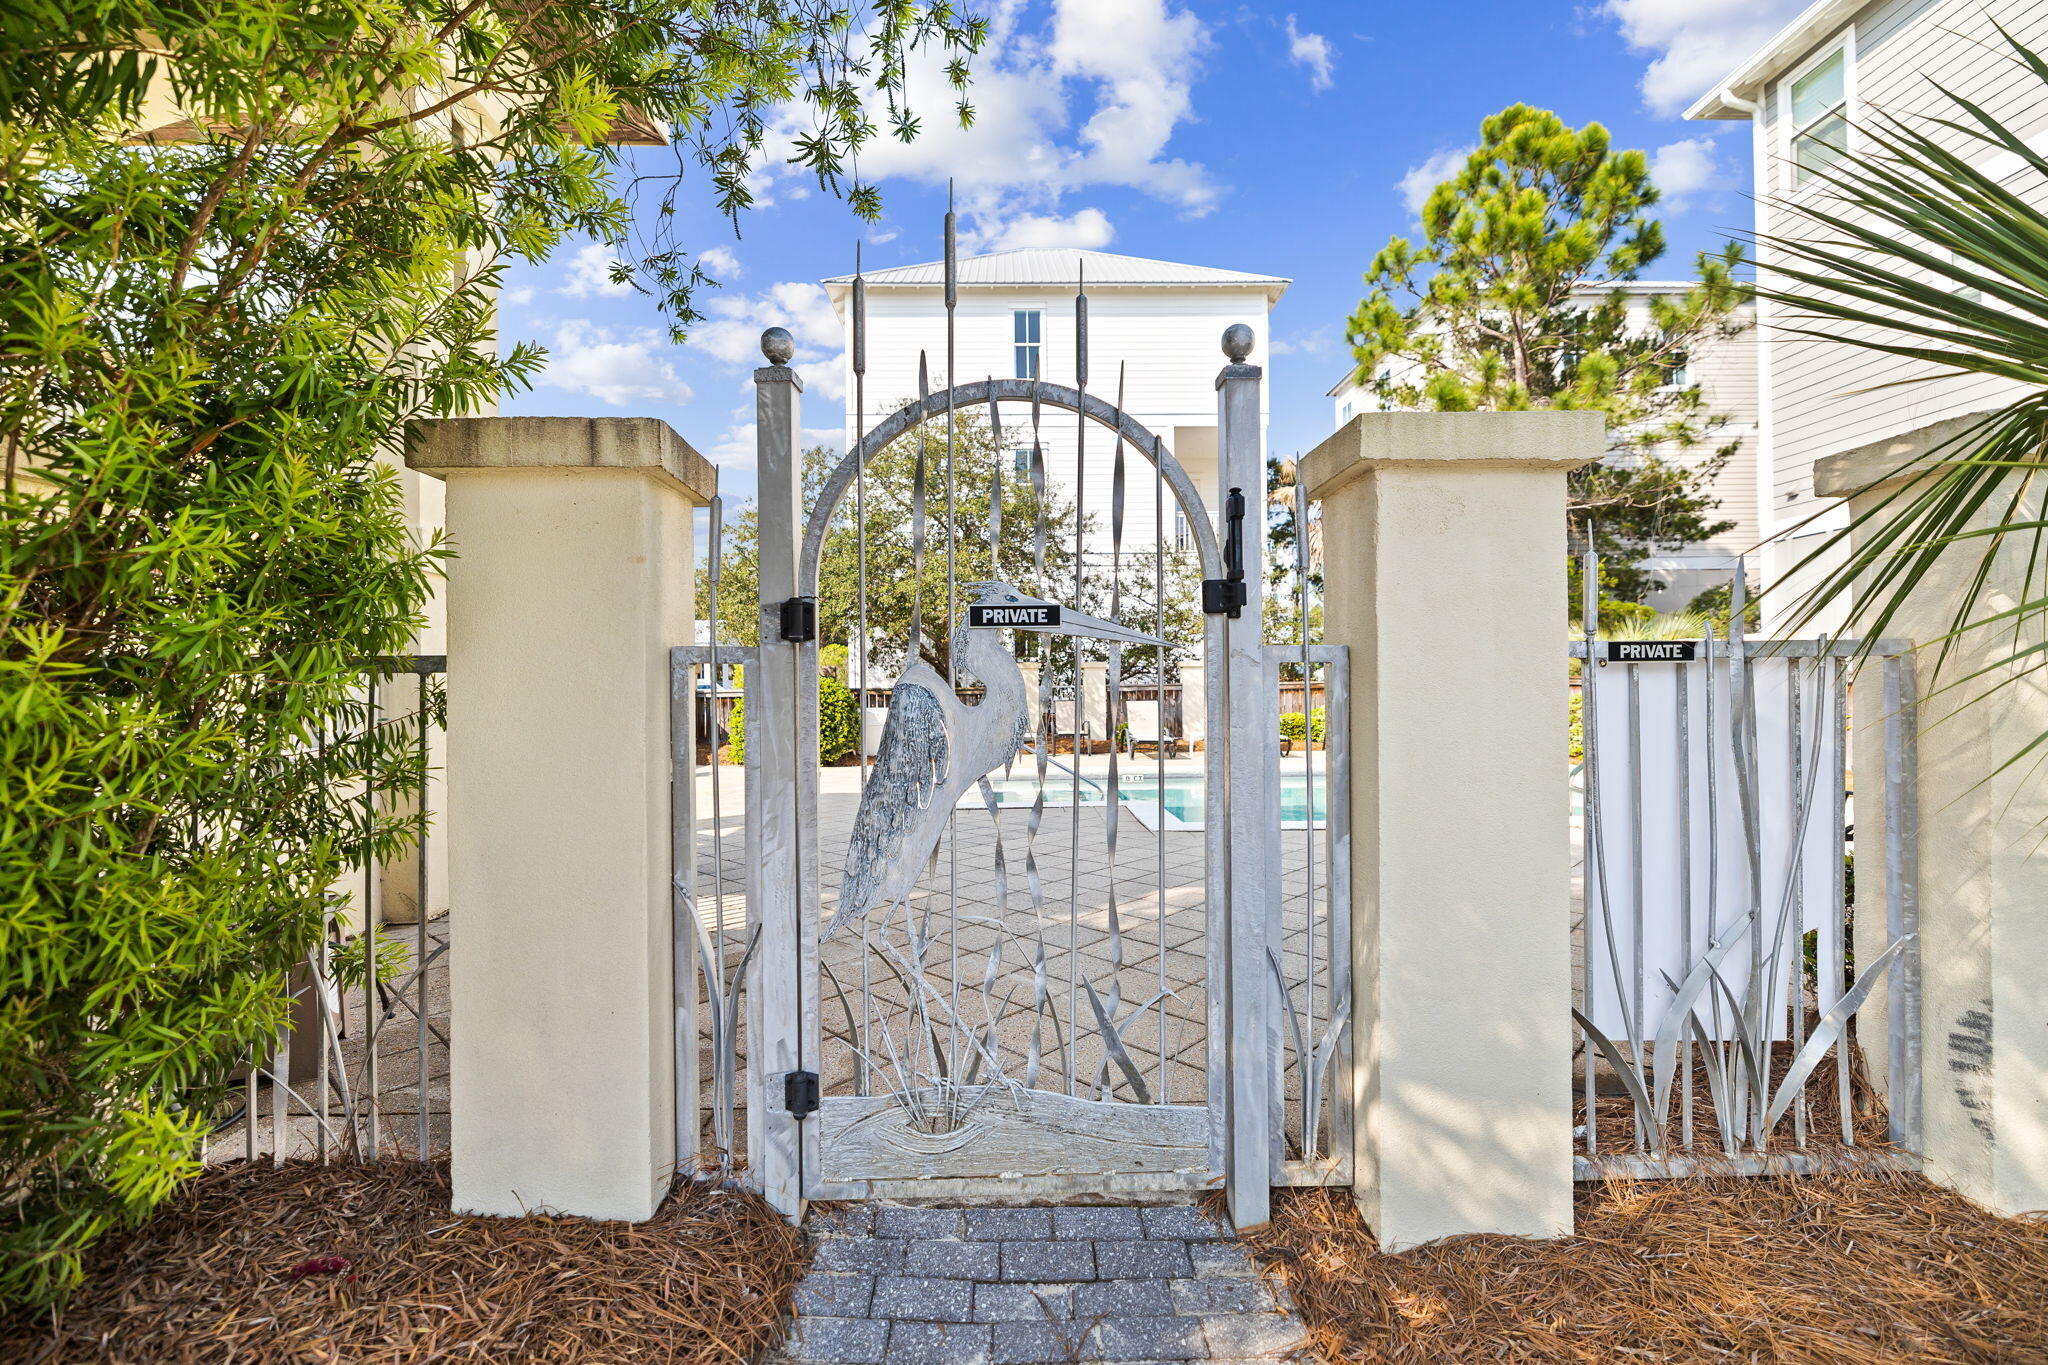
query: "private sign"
1041, 616
1652, 651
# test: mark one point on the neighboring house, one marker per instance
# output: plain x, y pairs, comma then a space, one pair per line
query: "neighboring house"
1160, 322
1726, 371
1808, 94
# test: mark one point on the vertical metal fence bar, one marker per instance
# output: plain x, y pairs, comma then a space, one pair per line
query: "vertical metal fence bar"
1902, 900
280, 1095
1636, 918
1838, 676
420, 859
249, 1108
1795, 997
1683, 693
1590, 831
372, 1097
682, 857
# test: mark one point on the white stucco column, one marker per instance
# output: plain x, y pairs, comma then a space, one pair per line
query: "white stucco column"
572, 578
1444, 571
1969, 865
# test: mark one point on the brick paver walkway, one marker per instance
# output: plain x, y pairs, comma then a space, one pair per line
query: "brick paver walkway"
900, 1285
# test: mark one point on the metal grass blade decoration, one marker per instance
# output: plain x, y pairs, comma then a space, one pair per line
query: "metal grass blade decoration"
1680, 1008
1651, 1128
1822, 1039
1113, 1046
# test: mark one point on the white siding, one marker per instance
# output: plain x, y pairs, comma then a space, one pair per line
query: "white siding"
1168, 342
1825, 394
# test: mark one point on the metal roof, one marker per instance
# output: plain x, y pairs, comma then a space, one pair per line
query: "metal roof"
1062, 266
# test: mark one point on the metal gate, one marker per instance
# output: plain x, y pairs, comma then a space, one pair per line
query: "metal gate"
1030, 937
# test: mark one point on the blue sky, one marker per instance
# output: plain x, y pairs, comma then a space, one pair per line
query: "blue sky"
1289, 141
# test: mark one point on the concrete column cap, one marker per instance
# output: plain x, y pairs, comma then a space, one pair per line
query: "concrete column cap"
456, 444
1908, 455
1544, 438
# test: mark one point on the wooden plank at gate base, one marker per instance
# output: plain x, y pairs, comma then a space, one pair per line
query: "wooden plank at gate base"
1076, 1143
774, 1019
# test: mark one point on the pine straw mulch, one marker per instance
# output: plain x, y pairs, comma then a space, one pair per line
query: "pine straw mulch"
1847, 1269
246, 1266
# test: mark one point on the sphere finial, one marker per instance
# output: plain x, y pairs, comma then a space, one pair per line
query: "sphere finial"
1237, 342
778, 345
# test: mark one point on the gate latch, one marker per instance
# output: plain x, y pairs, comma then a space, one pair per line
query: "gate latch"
800, 1093
1228, 596
800, 620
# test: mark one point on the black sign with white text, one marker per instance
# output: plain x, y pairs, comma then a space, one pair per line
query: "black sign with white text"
1036, 616
1652, 651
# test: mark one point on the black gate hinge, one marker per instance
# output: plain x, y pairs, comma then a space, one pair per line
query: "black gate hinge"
800, 1093
800, 620
1229, 595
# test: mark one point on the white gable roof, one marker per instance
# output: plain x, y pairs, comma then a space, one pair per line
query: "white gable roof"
1062, 266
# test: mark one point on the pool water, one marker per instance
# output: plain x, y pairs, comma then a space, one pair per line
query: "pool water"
1184, 799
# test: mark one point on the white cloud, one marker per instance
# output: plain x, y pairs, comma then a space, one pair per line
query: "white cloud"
1311, 50
1683, 170
1416, 185
733, 332
516, 298
1694, 42
1089, 229
589, 359
590, 273
1091, 99
720, 261
1320, 341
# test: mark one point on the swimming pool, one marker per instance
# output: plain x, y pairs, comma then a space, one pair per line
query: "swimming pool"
1182, 799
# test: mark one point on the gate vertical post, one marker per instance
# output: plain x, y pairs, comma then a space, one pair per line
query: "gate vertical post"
774, 1023
1252, 882
573, 581
1444, 571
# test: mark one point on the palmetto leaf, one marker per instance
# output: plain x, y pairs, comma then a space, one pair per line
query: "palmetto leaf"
1921, 251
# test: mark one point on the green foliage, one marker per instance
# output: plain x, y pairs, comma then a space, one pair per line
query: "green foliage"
895, 590
349, 962
838, 720
1717, 605
1499, 308
1578, 726
216, 321
736, 732
1922, 249
1296, 727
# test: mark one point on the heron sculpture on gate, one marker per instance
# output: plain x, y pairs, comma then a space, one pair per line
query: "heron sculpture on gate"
936, 746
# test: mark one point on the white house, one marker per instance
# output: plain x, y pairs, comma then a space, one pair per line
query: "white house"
1159, 323
1806, 93
1726, 371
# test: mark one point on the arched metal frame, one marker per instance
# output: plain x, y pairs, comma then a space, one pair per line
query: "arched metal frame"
978, 394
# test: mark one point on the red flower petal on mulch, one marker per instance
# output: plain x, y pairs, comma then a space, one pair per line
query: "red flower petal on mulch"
319, 1265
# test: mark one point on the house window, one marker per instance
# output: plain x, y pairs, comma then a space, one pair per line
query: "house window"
1820, 117
1020, 461
1024, 330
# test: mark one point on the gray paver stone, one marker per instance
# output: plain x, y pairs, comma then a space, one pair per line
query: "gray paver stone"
1222, 1296
1022, 1302
1252, 1334
834, 1296
1036, 1343
1144, 1339
1163, 1260
840, 1341
954, 1260
1008, 1224
848, 1220
1123, 1299
1184, 1221
861, 1255
923, 1299
1225, 1259
1048, 1261
901, 1222
1097, 1223
938, 1343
